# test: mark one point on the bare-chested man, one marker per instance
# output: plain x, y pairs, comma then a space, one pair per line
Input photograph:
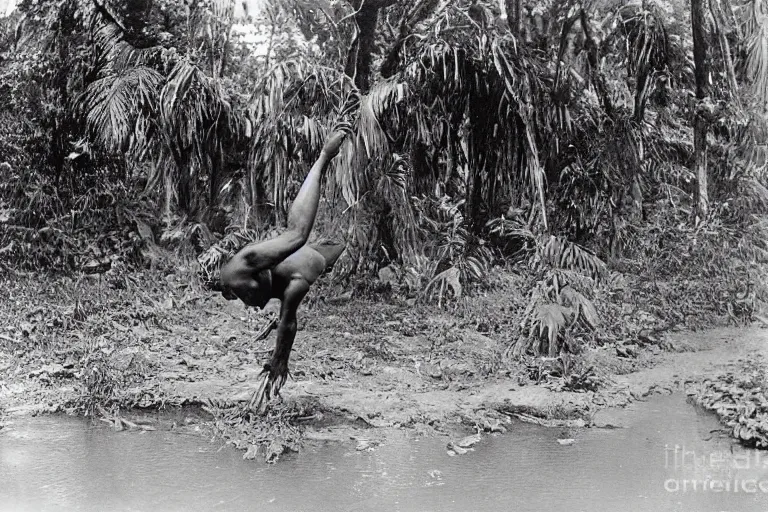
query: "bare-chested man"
284, 268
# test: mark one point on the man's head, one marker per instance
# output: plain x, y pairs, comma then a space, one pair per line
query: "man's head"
253, 289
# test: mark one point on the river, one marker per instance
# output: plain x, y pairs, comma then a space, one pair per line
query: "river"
668, 456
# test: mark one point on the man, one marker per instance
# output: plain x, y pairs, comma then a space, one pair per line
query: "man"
284, 268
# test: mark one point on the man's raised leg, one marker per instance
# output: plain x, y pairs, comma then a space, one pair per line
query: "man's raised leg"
237, 275
301, 216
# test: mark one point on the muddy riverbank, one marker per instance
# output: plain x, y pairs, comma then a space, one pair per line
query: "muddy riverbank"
357, 366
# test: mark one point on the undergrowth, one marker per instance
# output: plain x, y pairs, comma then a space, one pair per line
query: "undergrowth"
738, 397
99, 325
115, 276
270, 435
53, 228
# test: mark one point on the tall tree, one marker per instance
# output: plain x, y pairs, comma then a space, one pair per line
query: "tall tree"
700, 124
360, 56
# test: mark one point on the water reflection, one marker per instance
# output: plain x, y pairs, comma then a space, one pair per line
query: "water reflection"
56, 464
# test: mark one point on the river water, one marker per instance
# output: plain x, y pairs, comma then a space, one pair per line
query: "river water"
667, 458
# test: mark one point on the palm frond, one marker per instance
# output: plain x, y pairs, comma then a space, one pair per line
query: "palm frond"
369, 141
292, 108
647, 49
548, 321
568, 255
584, 308
756, 34
449, 278
116, 104
118, 54
495, 85
645, 38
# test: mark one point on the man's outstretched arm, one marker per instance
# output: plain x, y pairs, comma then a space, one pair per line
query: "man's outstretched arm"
301, 216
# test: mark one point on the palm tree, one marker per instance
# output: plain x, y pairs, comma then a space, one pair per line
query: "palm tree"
154, 102
755, 32
464, 109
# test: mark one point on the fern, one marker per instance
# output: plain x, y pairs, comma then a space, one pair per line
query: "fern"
459, 258
546, 322
441, 282
563, 254
557, 305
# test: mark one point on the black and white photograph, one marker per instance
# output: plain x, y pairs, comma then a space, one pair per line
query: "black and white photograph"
384, 255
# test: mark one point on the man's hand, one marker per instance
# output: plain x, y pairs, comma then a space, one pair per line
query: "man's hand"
334, 141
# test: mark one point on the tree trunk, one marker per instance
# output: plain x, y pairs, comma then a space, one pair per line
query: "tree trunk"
700, 164
700, 125
474, 206
593, 57
217, 165
387, 240
360, 55
184, 183
514, 15
641, 93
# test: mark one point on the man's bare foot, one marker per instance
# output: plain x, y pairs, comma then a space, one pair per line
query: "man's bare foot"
272, 381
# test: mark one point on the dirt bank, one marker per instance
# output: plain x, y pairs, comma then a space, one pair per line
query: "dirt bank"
357, 365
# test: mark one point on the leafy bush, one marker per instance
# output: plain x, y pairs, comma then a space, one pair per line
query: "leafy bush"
449, 260
565, 274
59, 229
738, 397
694, 270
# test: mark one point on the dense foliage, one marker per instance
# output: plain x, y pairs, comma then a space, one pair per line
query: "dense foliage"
578, 140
